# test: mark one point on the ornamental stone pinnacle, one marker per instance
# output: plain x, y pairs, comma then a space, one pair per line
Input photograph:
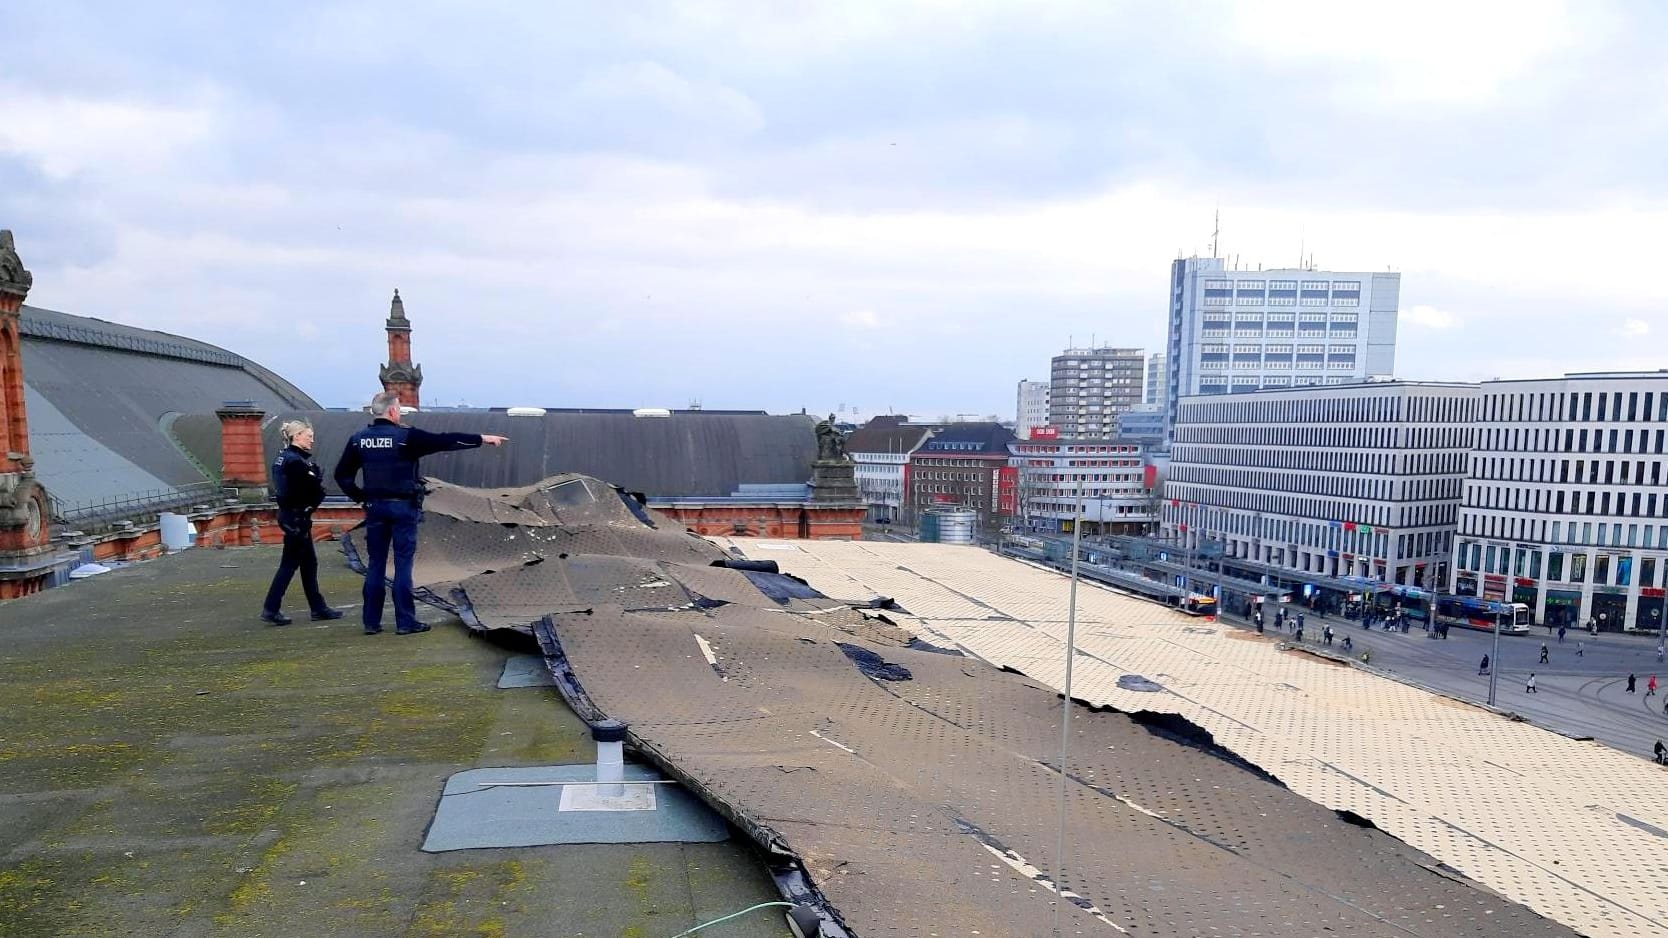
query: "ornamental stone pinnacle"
15, 279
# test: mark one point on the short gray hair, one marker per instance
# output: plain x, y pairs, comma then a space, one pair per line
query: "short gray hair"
383, 403
290, 429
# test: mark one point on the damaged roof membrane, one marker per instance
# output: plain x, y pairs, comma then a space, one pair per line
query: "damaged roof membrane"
903, 790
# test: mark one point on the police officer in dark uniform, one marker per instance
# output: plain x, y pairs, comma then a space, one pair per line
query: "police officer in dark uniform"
387, 453
298, 487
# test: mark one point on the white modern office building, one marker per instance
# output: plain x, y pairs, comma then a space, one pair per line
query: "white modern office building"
1241, 330
1361, 480
880, 452
1566, 509
1156, 372
1112, 475
1090, 387
1030, 408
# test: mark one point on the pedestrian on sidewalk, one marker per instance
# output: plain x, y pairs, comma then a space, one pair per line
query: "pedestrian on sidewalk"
1580, 649
1300, 633
1326, 634
1561, 635
1630, 683
1658, 651
1529, 688
1483, 668
1545, 655
1650, 687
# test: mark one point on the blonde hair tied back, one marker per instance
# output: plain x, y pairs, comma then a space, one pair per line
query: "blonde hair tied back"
291, 429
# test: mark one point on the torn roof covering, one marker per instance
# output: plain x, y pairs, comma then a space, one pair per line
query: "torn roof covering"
913, 790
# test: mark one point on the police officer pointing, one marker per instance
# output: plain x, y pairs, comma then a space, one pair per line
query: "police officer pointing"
387, 453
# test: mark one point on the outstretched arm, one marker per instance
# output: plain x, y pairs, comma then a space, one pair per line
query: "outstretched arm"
421, 442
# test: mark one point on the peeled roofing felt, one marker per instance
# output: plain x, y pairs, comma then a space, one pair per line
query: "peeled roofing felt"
898, 789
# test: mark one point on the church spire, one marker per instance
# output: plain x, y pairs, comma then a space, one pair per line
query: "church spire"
400, 374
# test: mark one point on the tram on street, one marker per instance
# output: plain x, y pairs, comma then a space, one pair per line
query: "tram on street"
1471, 612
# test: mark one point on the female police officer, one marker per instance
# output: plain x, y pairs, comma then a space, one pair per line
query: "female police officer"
298, 485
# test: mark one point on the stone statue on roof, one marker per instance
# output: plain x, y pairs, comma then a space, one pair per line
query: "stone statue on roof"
14, 277
831, 443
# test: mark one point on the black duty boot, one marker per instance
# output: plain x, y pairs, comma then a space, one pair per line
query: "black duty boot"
327, 614
275, 618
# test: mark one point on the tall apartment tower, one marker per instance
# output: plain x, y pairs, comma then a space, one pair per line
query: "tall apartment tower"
1031, 409
1156, 373
1090, 387
1240, 330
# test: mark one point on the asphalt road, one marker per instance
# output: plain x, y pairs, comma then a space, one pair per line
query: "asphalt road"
1581, 691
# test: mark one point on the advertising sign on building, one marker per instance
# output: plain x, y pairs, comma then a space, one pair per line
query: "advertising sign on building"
1045, 433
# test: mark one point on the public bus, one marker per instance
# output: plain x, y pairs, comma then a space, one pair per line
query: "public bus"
1473, 613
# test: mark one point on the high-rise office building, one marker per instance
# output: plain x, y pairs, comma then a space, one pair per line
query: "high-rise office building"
1031, 408
1240, 330
1156, 372
1090, 387
1309, 485
1564, 510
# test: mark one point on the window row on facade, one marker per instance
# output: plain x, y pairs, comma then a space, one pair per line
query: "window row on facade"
1548, 440
1340, 437
1558, 531
1598, 502
1377, 408
1373, 487
1573, 406
1378, 461
1563, 566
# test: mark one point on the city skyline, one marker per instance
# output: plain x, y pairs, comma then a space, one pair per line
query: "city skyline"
850, 181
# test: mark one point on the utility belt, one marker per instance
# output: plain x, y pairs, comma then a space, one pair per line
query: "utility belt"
414, 498
295, 520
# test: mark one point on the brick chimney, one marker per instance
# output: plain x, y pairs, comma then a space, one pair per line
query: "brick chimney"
242, 454
400, 375
24, 509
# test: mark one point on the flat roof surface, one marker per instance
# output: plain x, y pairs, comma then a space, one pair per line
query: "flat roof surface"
1574, 830
170, 766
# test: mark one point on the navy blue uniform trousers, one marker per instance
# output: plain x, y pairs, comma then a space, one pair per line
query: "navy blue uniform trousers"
390, 523
298, 556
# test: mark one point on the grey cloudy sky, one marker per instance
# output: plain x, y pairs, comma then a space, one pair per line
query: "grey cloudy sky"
778, 205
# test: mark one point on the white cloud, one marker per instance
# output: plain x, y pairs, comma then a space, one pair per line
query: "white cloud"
1426, 51
861, 319
1429, 317
1633, 328
65, 136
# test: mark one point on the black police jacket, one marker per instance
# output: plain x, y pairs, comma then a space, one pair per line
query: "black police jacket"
386, 454
297, 481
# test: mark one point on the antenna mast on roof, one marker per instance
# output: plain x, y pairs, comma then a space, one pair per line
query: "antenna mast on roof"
1216, 234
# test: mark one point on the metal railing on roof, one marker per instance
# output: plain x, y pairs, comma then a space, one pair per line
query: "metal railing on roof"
131, 504
87, 335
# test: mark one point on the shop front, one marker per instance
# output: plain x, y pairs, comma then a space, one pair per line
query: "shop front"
1609, 607
1465, 584
1648, 616
1563, 608
1494, 587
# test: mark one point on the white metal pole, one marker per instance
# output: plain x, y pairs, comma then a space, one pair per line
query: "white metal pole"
1494, 662
1065, 705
